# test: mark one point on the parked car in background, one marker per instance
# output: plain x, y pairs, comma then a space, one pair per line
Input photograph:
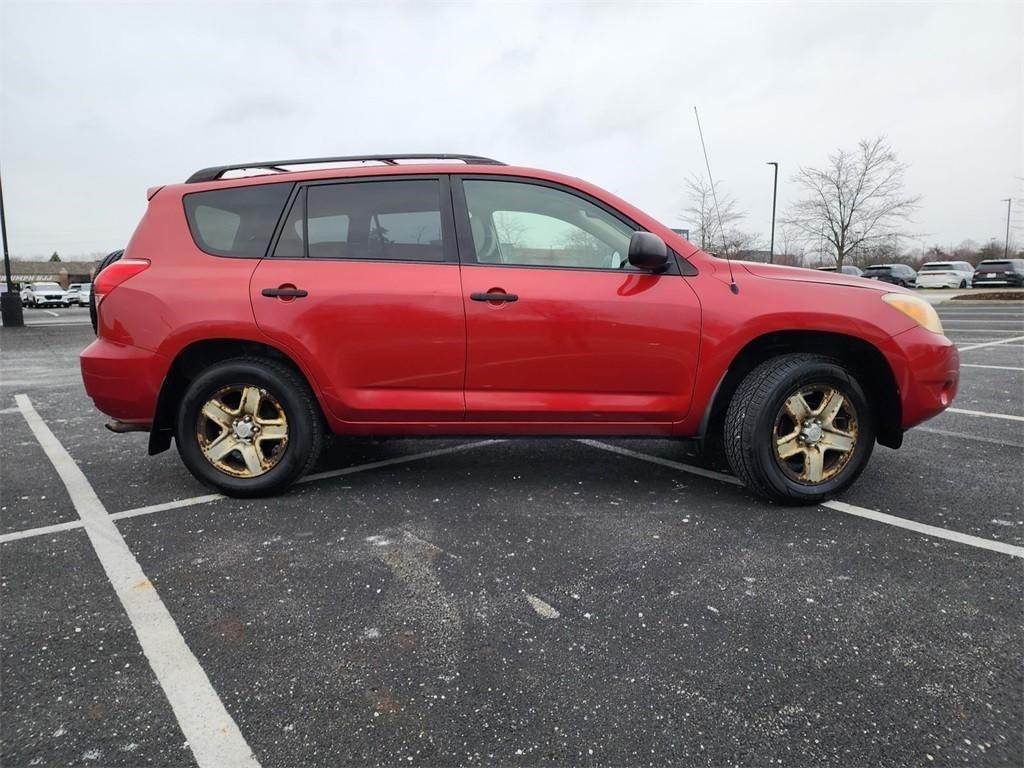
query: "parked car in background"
44, 295
945, 274
1009, 272
247, 316
897, 274
78, 293
848, 269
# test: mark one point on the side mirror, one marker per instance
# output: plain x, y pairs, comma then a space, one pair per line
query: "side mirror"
648, 251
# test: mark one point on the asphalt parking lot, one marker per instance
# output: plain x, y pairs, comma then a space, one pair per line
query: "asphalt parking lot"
471, 602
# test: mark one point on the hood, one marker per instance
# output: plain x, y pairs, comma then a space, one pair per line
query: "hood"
799, 274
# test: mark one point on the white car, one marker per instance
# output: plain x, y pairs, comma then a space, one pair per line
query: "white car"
945, 274
44, 295
78, 293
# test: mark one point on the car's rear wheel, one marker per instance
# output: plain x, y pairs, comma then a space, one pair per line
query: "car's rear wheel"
799, 429
248, 427
963, 284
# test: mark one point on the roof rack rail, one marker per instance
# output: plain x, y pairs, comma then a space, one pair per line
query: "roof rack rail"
215, 172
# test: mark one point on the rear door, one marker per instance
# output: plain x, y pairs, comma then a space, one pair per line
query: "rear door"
363, 286
560, 328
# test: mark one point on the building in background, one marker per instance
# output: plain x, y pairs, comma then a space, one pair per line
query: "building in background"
63, 272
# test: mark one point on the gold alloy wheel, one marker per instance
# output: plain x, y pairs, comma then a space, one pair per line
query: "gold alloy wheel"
242, 430
815, 434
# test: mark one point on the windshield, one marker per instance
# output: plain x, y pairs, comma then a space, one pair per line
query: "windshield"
48, 287
879, 268
937, 267
994, 265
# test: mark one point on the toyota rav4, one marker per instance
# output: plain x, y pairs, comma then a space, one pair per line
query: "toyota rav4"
258, 306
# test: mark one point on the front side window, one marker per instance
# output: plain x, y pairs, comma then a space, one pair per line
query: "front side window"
516, 223
389, 220
237, 221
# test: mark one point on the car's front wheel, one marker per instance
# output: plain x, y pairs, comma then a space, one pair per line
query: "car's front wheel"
248, 427
799, 429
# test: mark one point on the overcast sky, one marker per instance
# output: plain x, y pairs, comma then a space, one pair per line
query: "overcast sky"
101, 100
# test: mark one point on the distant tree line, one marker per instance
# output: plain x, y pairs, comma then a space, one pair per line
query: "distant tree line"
853, 210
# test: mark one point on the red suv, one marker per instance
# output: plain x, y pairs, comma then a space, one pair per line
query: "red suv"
248, 315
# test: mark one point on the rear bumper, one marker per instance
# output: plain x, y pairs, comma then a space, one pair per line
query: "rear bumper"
945, 281
123, 381
1007, 280
928, 374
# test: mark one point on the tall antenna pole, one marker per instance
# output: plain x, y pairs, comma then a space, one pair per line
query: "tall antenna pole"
775, 194
725, 246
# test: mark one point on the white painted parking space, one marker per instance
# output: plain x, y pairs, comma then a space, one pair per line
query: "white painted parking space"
986, 414
992, 367
209, 498
838, 506
212, 734
969, 347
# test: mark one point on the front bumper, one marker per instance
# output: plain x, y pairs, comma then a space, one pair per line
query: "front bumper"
123, 381
927, 374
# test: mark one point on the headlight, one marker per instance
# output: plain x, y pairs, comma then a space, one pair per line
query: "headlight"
917, 309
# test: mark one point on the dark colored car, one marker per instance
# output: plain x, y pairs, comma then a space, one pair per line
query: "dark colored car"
1009, 272
249, 316
896, 274
848, 269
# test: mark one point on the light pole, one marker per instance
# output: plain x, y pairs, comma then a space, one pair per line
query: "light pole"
10, 302
775, 193
1006, 243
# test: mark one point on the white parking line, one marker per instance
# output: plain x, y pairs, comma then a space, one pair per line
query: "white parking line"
211, 732
49, 312
991, 343
211, 497
927, 530
965, 436
720, 476
994, 367
839, 506
70, 525
1006, 416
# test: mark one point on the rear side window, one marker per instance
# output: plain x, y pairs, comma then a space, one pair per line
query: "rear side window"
238, 221
367, 220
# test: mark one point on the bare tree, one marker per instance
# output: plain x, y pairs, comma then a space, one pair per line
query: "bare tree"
702, 216
856, 201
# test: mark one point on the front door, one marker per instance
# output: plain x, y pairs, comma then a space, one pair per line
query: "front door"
363, 287
560, 328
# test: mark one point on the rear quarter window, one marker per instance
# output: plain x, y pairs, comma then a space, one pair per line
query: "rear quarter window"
237, 221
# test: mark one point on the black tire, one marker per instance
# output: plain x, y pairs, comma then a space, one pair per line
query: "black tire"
750, 422
304, 420
963, 284
109, 259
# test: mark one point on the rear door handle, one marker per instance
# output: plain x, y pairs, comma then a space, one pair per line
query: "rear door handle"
282, 293
510, 297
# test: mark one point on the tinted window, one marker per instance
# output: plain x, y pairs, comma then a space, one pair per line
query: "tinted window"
397, 220
238, 221
528, 224
1000, 265
938, 267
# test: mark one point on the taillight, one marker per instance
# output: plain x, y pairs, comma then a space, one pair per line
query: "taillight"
114, 275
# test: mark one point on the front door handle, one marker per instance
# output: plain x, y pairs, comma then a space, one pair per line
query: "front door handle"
494, 296
285, 292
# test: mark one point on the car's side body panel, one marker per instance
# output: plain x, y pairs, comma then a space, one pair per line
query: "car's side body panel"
383, 341
580, 345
